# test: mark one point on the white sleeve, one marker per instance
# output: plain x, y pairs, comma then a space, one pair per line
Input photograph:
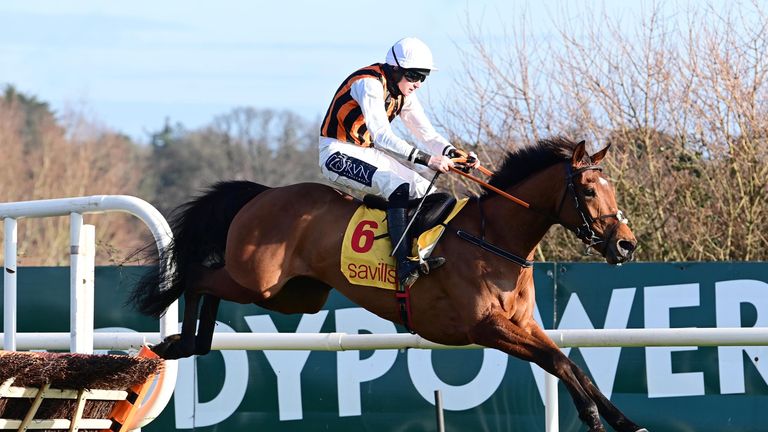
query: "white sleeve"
416, 121
369, 93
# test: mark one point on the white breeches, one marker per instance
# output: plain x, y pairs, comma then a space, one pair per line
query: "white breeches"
370, 170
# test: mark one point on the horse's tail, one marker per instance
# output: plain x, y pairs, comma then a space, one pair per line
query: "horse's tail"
199, 231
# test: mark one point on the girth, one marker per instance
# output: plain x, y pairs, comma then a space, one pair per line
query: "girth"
436, 208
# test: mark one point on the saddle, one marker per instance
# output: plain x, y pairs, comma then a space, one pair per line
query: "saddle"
436, 208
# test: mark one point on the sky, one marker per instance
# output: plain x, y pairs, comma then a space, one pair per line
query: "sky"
132, 66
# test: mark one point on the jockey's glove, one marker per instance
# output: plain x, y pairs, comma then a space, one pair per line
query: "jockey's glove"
440, 163
472, 162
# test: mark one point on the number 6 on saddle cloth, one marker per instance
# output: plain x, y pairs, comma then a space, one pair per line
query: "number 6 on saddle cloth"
365, 254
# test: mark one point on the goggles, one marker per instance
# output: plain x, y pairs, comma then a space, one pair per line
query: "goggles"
413, 75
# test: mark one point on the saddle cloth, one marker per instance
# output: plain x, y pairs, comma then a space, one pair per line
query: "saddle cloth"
365, 251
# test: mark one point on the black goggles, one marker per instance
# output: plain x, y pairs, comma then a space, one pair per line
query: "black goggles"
414, 76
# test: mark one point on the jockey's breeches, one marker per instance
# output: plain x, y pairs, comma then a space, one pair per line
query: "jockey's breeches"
370, 170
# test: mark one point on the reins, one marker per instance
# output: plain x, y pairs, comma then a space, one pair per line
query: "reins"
489, 187
480, 241
584, 231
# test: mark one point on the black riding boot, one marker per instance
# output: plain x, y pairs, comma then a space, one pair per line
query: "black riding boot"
437, 207
407, 270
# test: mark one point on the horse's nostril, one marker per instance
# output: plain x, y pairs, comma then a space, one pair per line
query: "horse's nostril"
627, 246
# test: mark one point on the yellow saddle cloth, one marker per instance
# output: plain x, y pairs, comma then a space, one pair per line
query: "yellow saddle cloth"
365, 252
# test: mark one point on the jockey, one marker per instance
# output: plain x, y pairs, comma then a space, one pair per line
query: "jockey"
359, 149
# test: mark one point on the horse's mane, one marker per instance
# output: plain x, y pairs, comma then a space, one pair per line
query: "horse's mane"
520, 164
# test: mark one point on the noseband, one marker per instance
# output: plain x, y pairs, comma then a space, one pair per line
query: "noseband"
584, 231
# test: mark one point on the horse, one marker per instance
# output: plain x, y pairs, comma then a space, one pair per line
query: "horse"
280, 249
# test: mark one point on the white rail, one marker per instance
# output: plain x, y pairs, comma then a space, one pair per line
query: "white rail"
80, 338
752, 336
344, 341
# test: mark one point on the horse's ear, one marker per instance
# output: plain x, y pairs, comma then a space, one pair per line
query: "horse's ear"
579, 153
597, 157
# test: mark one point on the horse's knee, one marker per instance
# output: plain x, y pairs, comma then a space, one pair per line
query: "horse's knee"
561, 367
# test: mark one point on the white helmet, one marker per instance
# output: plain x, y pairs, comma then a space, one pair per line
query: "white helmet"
410, 53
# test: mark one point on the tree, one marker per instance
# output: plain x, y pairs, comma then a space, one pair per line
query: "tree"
50, 157
681, 98
272, 148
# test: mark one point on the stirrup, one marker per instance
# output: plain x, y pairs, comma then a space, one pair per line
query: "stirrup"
407, 272
430, 264
410, 278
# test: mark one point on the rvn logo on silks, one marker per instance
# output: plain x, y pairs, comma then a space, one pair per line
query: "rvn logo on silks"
351, 168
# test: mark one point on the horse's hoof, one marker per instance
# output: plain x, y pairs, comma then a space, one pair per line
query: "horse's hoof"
162, 348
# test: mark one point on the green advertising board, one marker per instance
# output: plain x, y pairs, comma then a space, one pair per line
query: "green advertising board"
664, 389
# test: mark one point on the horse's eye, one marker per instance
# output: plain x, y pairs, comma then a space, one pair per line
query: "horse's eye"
590, 193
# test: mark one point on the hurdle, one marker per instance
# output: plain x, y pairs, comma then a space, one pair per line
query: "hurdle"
328, 341
571, 338
129, 412
74, 391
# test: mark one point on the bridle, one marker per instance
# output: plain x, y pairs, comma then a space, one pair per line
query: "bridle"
584, 231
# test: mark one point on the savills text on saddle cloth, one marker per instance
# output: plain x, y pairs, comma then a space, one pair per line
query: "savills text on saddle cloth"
365, 251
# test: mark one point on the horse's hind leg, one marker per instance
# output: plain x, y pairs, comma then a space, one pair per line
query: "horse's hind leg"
207, 324
207, 284
498, 332
182, 345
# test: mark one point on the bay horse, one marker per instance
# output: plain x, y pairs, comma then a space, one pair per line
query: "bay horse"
280, 249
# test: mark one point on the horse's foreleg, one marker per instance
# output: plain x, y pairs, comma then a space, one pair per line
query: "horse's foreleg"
496, 331
608, 410
182, 345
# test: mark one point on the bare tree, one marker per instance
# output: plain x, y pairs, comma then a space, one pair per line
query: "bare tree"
72, 156
682, 99
268, 147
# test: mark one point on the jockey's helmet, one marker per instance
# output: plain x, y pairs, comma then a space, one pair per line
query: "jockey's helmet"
410, 53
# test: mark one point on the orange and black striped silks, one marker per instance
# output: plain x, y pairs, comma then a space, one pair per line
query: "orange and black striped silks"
344, 119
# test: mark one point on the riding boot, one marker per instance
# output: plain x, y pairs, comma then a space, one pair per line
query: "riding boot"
440, 205
407, 270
